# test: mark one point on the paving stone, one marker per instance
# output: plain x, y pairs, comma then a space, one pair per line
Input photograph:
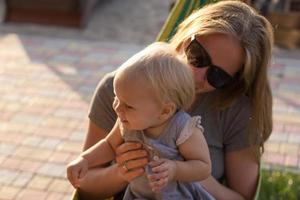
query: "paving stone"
32, 194
39, 182
22, 179
273, 158
56, 196
60, 185
32, 141
8, 192
278, 137
60, 157
12, 138
40, 154
58, 122
11, 163
69, 146
294, 139
53, 170
7, 176
59, 133
23, 118
50, 143
30, 166
7, 149
68, 196
290, 149
288, 118
77, 136
292, 128
291, 161
2, 158
24, 151
272, 147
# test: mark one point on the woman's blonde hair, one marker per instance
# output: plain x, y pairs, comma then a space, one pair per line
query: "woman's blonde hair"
160, 68
255, 34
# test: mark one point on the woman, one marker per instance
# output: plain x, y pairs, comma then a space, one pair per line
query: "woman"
228, 46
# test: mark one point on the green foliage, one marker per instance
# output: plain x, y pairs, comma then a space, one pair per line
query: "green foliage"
277, 185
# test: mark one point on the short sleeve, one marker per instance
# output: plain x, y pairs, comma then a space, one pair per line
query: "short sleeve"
235, 123
101, 110
187, 131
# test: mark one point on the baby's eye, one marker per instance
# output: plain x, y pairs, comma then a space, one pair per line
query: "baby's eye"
128, 107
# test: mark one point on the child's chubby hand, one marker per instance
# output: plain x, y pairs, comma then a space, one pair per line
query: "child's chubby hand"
163, 172
76, 170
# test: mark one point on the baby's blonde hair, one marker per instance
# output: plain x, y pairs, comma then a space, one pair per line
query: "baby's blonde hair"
160, 68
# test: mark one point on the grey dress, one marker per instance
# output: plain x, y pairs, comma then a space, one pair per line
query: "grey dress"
166, 146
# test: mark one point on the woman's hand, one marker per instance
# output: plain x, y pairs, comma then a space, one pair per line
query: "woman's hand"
76, 170
131, 159
163, 172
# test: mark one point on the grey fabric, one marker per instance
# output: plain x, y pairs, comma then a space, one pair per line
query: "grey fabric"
101, 110
164, 147
224, 130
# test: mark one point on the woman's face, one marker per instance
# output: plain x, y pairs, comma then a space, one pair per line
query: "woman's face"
224, 51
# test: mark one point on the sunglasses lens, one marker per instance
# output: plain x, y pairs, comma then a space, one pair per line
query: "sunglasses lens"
217, 77
197, 55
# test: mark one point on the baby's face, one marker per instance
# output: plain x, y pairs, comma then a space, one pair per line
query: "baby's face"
135, 105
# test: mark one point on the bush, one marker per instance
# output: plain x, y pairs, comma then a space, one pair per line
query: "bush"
277, 185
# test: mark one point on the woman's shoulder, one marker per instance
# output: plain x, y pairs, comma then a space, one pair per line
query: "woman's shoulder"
105, 85
107, 80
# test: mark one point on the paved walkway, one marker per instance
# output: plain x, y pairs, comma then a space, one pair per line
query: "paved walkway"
46, 85
283, 147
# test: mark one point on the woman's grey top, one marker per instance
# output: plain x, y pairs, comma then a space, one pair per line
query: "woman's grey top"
224, 130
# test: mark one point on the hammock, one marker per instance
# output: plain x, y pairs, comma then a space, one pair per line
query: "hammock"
180, 10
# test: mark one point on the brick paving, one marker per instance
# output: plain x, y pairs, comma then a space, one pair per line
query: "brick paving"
46, 84
283, 147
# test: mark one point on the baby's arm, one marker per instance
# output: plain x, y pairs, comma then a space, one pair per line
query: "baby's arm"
197, 164
104, 150
195, 167
100, 153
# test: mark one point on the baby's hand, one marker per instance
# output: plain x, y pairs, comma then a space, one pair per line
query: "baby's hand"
76, 170
163, 172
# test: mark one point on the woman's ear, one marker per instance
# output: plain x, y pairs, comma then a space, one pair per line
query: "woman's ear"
168, 110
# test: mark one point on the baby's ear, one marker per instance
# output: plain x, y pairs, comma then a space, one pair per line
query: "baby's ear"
169, 109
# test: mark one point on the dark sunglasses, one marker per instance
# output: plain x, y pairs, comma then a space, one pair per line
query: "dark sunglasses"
198, 57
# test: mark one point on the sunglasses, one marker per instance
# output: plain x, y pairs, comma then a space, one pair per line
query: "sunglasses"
198, 57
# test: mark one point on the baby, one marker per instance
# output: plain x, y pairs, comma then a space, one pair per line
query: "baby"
152, 89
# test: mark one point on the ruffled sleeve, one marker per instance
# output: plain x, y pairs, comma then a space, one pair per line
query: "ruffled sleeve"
187, 131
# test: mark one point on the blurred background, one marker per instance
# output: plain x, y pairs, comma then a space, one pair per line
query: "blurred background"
54, 52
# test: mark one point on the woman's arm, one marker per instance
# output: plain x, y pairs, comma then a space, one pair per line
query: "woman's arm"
242, 170
105, 181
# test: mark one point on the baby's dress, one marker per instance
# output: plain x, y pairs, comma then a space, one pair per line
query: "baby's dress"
177, 131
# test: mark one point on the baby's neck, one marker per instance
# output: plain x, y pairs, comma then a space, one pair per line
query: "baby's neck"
155, 131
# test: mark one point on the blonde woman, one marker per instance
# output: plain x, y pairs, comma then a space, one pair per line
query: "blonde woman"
228, 47
150, 102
